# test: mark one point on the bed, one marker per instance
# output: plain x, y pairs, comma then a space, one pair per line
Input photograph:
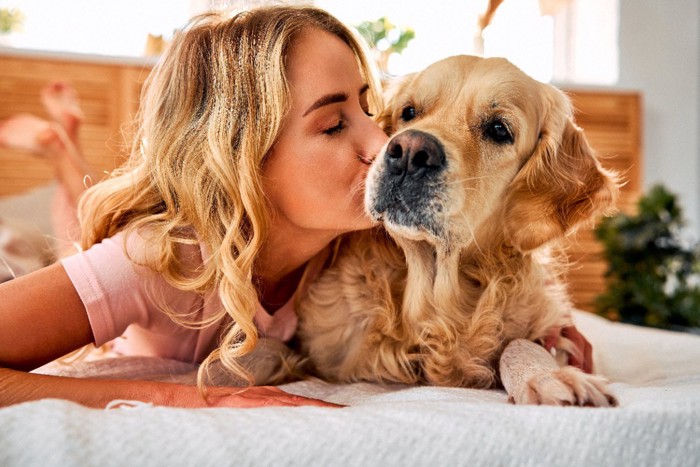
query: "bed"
655, 374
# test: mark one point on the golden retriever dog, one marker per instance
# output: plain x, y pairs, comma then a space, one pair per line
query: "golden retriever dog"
485, 173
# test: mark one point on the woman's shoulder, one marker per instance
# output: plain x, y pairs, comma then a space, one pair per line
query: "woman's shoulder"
149, 246
143, 253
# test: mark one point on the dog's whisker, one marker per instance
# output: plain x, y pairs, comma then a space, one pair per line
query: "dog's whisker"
364, 159
9, 268
354, 190
469, 179
471, 232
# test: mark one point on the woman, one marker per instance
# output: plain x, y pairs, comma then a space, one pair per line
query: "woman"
255, 137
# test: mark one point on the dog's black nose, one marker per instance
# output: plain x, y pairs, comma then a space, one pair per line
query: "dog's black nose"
414, 153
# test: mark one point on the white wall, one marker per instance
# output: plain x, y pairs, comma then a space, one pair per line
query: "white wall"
660, 56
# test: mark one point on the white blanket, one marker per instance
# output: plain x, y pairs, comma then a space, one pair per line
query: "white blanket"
656, 378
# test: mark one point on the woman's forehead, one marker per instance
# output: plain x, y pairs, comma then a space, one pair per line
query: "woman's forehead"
318, 53
317, 56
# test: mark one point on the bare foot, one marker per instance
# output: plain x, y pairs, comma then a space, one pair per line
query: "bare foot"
49, 141
42, 138
25, 132
61, 102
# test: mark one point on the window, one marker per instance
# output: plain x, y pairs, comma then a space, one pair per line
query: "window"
577, 44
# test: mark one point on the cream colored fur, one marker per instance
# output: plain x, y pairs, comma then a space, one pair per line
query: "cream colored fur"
403, 304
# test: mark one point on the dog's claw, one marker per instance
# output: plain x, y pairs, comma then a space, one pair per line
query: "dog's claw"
565, 387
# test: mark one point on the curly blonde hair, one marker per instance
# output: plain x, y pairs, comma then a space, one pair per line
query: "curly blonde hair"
210, 112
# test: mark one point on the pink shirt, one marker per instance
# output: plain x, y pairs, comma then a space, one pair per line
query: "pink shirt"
119, 297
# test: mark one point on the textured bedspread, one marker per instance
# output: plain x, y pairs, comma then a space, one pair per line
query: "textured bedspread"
656, 378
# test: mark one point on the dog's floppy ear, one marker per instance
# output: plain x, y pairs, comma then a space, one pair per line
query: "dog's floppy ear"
391, 93
561, 185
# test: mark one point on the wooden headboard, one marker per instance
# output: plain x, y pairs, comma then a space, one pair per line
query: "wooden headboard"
109, 96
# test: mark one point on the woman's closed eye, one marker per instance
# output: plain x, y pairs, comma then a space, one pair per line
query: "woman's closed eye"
340, 126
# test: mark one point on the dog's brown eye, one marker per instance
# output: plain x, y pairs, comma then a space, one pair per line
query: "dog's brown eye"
497, 131
408, 113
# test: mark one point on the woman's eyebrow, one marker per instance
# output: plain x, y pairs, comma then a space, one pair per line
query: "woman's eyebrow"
332, 99
326, 100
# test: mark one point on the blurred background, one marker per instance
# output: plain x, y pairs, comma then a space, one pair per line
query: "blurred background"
644, 45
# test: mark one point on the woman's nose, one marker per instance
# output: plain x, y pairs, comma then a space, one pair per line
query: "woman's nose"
375, 139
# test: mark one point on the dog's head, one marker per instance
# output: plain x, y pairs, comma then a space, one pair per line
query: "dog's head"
476, 138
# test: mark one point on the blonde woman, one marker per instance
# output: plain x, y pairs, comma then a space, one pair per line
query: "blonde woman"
255, 137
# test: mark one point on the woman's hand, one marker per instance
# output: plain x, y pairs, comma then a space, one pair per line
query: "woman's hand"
258, 396
583, 359
582, 355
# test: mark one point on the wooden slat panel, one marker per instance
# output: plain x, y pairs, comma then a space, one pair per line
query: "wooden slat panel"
612, 123
108, 96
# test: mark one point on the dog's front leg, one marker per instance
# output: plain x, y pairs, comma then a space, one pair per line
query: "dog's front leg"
531, 375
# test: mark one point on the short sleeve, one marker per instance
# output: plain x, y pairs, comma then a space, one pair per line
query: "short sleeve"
117, 292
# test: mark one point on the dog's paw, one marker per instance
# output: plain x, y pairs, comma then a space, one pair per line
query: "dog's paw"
565, 386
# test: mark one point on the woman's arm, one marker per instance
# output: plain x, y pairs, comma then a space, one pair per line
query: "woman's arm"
18, 386
42, 318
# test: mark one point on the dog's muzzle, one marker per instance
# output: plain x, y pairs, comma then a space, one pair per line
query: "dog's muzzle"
408, 184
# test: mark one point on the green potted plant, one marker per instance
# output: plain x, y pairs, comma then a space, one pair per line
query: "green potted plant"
652, 276
385, 39
10, 21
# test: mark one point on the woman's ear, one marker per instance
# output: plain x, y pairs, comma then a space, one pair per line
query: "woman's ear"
392, 89
561, 186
